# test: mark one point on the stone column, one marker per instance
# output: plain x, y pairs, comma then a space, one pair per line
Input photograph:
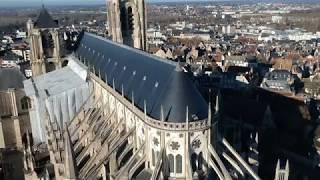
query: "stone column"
56, 55
15, 118
113, 166
42, 67
2, 142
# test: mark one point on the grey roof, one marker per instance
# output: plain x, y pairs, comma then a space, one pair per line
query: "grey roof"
53, 83
45, 20
149, 78
10, 56
11, 78
279, 75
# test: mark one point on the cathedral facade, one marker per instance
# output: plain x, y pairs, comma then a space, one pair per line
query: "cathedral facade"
127, 22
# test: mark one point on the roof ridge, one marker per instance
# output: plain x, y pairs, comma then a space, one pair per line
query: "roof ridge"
134, 49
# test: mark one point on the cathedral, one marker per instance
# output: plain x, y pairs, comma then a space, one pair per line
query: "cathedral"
126, 114
144, 119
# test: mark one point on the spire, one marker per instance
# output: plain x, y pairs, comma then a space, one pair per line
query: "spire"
209, 113
70, 167
218, 98
268, 118
287, 165
162, 113
122, 90
278, 165
187, 115
145, 107
132, 98
94, 70
45, 20
282, 174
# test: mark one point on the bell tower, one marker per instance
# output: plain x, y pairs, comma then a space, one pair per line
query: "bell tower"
44, 43
127, 22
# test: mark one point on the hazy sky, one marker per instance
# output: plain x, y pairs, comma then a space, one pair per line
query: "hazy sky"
21, 3
74, 1
4, 3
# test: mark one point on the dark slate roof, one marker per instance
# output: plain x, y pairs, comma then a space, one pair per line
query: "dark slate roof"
151, 79
11, 78
10, 56
45, 20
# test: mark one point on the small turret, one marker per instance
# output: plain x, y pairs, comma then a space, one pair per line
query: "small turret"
282, 174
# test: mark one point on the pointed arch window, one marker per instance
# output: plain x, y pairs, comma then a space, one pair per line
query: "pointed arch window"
200, 161
130, 19
171, 163
178, 163
153, 158
26, 103
194, 158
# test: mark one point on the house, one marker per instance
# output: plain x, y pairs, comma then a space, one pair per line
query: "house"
281, 80
9, 60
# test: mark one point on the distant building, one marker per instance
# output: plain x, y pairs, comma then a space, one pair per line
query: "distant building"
242, 61
202, 36
276, 19
280, 80
10, 59
155, 37
21, 34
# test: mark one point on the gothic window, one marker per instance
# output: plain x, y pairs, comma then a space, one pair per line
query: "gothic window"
156, 141
65, 63
200, 161
178, 163
196, 144
157, 155
47, 43
171, 163
130, 19
194, 158
122, 14
26, 103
